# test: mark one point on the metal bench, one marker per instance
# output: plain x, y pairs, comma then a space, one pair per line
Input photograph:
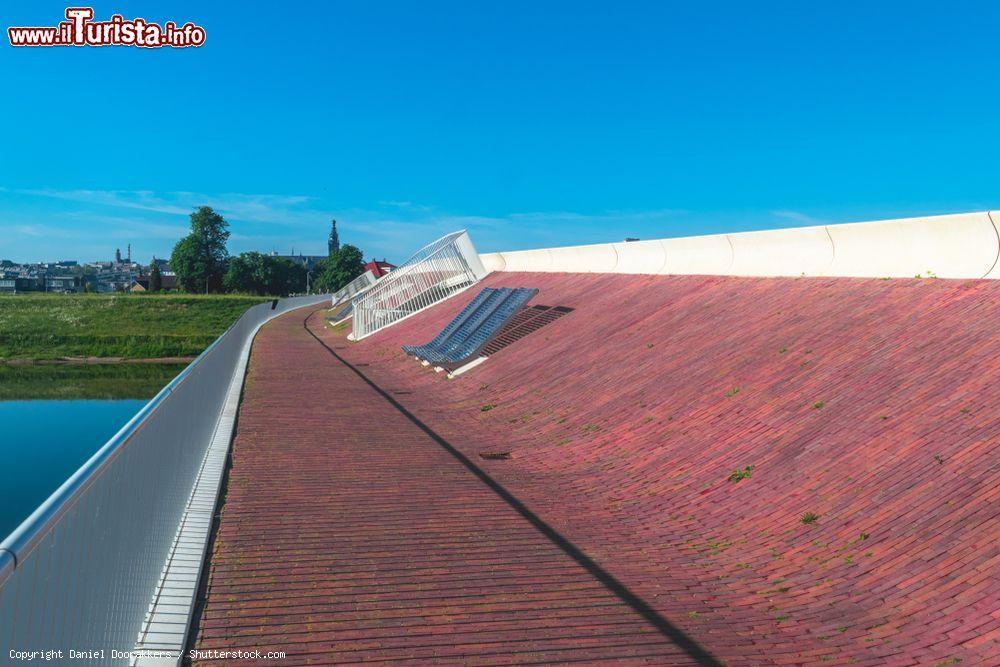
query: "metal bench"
481, 320
455, 325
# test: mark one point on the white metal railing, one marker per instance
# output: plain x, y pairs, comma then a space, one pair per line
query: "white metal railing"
433, 273
353, 288
81, 571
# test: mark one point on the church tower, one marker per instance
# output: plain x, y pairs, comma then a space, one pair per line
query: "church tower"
333, 243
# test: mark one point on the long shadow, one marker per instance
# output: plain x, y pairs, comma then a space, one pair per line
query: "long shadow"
699, 654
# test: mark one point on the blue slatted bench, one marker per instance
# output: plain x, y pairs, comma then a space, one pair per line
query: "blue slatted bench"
474, 326
490, 327
475, 320
456, 323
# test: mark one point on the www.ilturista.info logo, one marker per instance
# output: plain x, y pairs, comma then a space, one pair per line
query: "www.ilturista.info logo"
81, 30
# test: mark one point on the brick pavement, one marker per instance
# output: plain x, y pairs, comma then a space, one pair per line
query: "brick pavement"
349, 534
870, 403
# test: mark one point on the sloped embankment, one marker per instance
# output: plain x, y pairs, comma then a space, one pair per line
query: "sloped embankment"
797, 471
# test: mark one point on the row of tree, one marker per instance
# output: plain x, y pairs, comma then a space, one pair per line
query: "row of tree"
203, 265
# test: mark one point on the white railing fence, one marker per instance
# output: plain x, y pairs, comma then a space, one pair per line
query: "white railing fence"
353, 288
435, 272
80, 572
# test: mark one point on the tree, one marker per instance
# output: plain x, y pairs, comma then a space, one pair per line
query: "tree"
185, 263
291, 278
199, 259
155, 279
240, 275
342, 267
254, 273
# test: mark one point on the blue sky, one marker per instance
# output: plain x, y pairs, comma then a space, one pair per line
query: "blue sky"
530, 123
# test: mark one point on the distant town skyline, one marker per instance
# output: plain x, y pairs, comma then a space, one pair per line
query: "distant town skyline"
647, 120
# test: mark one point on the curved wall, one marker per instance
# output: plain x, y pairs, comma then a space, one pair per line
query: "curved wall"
966, 245
995, 219
82, 570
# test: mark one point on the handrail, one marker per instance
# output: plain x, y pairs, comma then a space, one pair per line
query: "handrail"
82, 569
33, 529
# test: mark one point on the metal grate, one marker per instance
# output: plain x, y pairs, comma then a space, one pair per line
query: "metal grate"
494, 319
454, 327
525, 322
474, 326
489, 323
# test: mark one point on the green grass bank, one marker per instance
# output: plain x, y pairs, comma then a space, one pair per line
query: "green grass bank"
85, 381
132, 326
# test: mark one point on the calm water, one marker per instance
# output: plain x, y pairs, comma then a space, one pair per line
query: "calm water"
44, 442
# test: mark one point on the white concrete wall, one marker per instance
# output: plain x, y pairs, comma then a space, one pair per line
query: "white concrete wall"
966, 245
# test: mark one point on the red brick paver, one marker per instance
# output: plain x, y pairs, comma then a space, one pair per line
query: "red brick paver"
349, 535
873, 404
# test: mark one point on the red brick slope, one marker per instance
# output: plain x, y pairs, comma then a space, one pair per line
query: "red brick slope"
348, 535
872, 404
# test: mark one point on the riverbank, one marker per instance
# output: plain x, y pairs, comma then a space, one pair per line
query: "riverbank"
94, 361
88, 329
20, 382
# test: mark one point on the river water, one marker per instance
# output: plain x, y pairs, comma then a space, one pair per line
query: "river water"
52, 419
43, 442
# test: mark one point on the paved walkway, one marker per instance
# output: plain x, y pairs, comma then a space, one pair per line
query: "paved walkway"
350, 533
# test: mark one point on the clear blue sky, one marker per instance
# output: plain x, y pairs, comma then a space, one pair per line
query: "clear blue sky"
530, 123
